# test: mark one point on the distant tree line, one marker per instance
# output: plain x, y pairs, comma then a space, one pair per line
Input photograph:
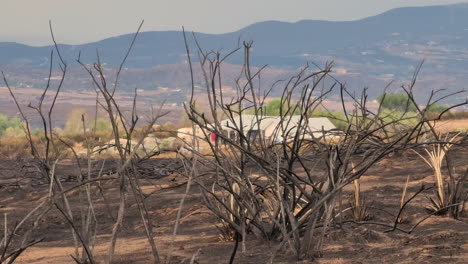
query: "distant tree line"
402, 103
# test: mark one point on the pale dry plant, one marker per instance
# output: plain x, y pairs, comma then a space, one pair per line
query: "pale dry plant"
400, 218
435, 158
358, 204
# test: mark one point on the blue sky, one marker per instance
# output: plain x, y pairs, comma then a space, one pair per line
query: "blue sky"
81, 21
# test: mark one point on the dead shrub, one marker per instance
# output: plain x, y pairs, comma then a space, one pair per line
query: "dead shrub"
285, 160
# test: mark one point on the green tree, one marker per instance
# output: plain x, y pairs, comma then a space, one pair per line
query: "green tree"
276, 106
272, 108
337, 118
435, 108
3, 123
103, 125
37, 132
13, 132
14, 123
397, 102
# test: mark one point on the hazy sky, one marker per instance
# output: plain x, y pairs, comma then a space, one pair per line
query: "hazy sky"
80, 21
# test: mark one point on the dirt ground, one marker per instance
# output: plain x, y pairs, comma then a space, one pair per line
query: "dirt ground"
444, 126
437, 240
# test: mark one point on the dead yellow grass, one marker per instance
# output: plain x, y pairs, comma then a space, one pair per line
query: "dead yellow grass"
454, 125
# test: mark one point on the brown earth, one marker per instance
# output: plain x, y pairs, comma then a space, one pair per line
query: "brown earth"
437, 240
67, 101
460, 125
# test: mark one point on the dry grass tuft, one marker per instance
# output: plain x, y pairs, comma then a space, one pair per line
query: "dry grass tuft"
402, 201
451, 194
358, 204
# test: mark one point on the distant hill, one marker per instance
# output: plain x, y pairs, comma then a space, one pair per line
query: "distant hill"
386, 46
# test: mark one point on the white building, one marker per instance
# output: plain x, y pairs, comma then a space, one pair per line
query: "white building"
276, 129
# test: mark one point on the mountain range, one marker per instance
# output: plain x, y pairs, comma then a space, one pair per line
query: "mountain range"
369, 51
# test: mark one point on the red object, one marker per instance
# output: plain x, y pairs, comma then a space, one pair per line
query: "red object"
213, 137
